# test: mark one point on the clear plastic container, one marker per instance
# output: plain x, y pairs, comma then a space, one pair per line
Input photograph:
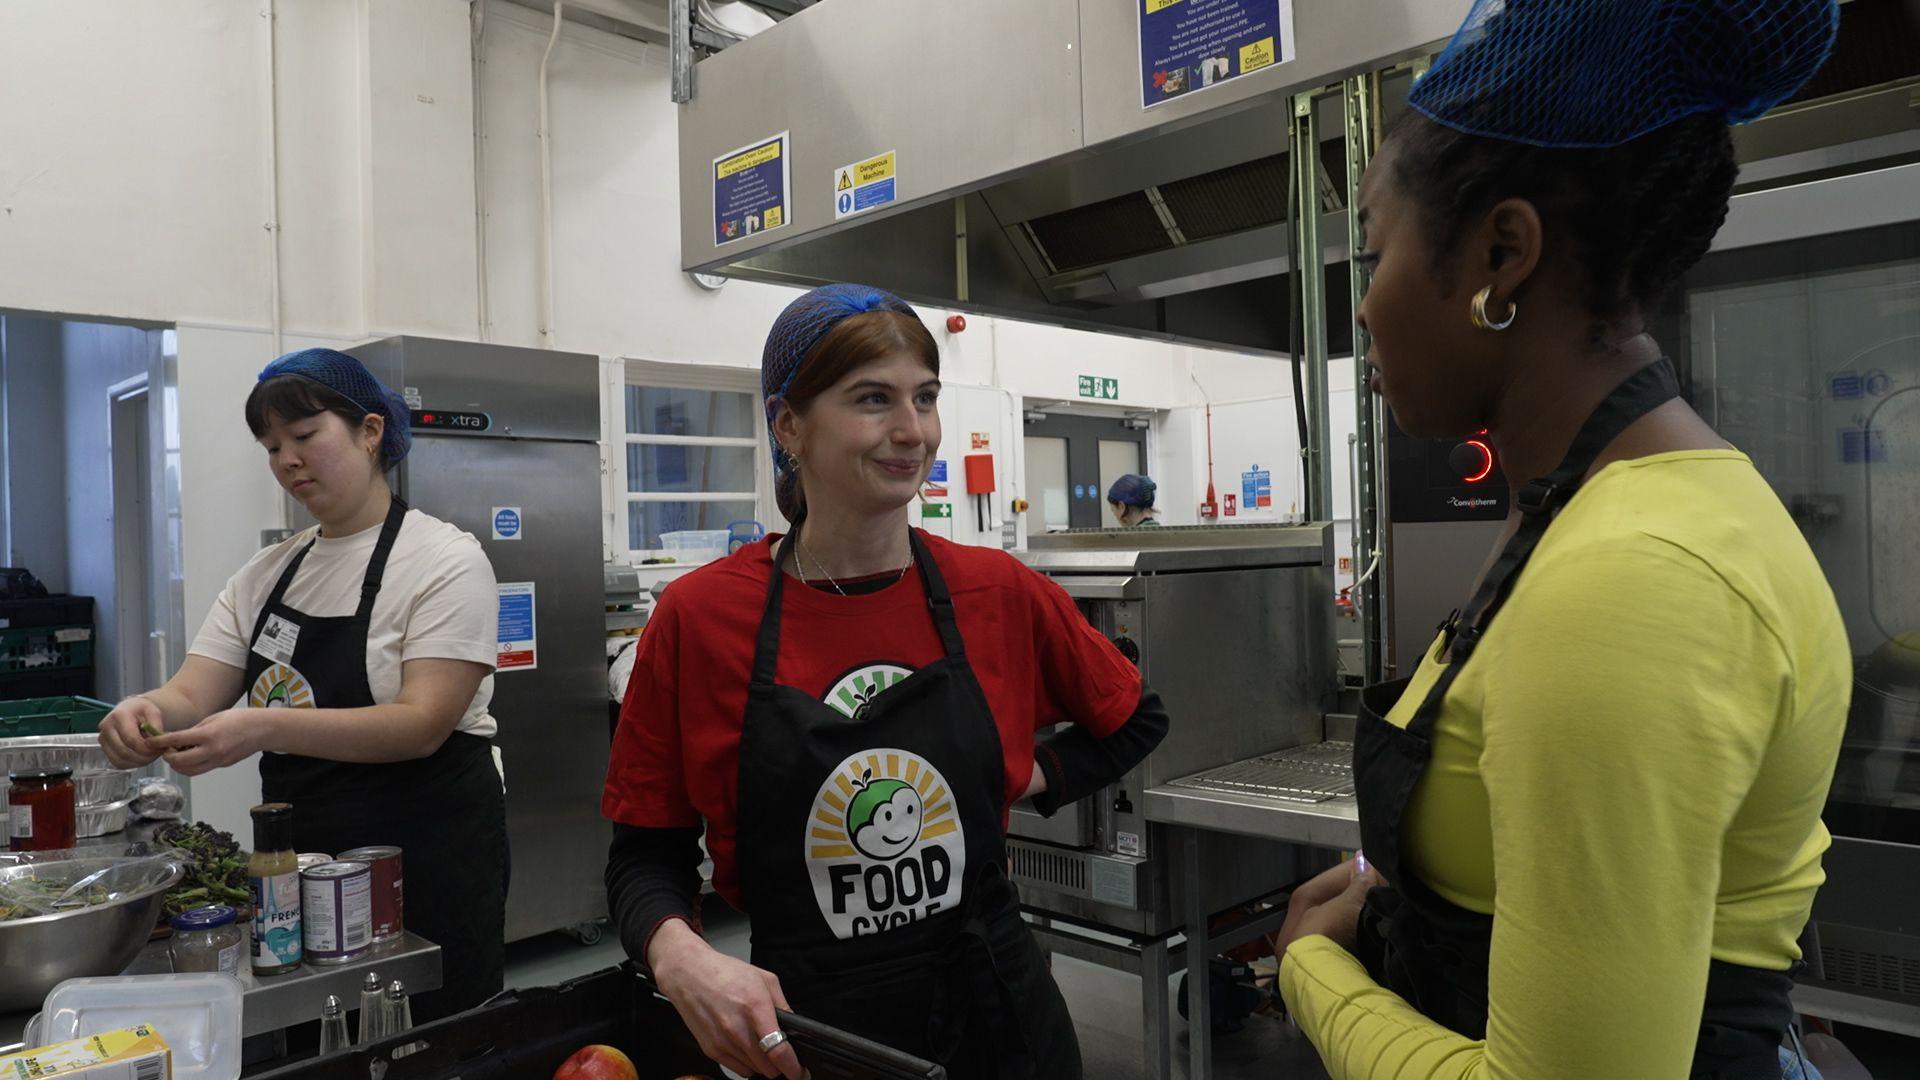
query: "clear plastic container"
198, 1016
695, 545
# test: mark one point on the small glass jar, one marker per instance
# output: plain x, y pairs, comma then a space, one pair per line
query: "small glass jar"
40, 809
207, 939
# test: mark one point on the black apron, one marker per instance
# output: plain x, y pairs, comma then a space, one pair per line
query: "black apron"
872, 861
1434, 953
446, 812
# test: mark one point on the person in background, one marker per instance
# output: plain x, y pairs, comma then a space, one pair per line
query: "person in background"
1593, 814
849, 711
1131, 500
356, 658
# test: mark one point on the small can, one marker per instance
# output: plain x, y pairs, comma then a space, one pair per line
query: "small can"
310, 859
337, 902
389, 889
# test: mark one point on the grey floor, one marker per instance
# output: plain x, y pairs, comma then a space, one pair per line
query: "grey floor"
1105, 1005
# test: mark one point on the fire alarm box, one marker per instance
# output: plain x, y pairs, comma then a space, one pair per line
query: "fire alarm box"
979, 473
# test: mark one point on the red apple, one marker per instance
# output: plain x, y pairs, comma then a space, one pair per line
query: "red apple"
597, 1063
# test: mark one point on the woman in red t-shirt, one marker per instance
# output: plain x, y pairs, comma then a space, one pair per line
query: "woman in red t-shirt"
850, 730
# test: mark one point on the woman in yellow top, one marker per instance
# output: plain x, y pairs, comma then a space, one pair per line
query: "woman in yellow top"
1593, 820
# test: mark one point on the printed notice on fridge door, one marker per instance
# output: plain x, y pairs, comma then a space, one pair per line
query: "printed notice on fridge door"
1190, 45
750, 189
519, 640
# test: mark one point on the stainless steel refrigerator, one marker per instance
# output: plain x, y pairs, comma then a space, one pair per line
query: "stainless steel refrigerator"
506, 446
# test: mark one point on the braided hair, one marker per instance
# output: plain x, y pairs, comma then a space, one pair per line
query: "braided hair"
1638, 215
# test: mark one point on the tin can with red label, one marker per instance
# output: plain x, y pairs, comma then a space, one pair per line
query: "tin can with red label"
389, 889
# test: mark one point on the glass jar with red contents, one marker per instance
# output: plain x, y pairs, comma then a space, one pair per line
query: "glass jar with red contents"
40, 809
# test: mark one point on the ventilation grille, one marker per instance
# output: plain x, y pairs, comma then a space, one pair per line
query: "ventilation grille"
1871, 971
1063, 870
1101, 232
1230, 200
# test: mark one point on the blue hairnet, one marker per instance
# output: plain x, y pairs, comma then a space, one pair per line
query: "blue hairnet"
349, 378
1598, 73
1133, 490
801, 326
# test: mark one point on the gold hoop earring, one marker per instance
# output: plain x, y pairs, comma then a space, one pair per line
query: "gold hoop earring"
1479, 312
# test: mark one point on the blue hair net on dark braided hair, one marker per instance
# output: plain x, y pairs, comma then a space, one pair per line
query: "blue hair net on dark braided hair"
800, 327
1133, 490
350, 378
1598, 73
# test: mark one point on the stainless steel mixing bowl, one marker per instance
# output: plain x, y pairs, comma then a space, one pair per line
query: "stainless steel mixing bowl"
38, 953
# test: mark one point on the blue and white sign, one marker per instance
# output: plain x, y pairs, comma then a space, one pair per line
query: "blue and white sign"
863, 185
1862, 445
1079, 491
519, 636
506, 523
938, 473
1191, 45
750, 189
1256, 488
1845, 386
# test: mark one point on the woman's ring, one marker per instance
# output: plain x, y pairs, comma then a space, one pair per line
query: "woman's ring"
772, 1040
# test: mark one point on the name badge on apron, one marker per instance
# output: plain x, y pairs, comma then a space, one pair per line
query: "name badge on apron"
277, 639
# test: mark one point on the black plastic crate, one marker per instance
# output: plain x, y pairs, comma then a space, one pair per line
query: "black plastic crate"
527, 1034
60, 610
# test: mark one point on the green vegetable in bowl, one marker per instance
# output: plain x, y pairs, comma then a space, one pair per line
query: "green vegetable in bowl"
216, 868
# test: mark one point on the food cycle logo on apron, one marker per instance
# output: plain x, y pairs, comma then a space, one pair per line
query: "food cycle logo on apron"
857, 688
884, 845
280, 687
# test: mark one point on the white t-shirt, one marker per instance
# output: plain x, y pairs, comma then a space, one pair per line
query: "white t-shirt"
438, 599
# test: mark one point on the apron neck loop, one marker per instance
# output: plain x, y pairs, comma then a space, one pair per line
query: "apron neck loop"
766, 653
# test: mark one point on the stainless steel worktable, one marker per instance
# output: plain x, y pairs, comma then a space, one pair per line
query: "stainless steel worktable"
1334, 823
1322, 812
274, 1002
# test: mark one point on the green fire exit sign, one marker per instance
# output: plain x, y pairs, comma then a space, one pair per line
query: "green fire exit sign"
1095, 386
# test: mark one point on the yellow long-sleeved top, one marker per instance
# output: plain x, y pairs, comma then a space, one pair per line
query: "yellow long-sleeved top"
1628, 775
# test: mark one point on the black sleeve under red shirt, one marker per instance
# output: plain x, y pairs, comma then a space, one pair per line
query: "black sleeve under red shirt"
675, 766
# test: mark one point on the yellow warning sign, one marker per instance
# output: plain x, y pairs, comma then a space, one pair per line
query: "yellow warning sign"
1256, 56
845, 182
1159, 5
773, 217
757, 156
873, 169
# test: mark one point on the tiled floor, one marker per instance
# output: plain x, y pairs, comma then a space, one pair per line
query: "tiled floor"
1106, 1011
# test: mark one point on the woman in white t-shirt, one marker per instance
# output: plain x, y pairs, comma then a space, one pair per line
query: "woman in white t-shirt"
360, 653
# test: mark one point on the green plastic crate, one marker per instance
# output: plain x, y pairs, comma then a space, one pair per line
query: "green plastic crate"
51, 716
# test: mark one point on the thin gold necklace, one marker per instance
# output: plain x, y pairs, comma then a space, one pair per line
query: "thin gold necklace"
802, 550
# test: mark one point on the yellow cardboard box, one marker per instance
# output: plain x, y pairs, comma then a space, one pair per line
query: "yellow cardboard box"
135, 1053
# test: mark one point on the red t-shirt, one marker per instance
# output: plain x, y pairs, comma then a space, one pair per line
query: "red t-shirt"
676, 754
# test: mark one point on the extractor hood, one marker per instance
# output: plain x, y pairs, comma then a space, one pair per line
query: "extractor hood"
1031, 181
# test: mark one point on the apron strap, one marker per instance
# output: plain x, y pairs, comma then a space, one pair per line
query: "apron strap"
766, 648
1539, 501
278, 595
938, 598
377, 566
